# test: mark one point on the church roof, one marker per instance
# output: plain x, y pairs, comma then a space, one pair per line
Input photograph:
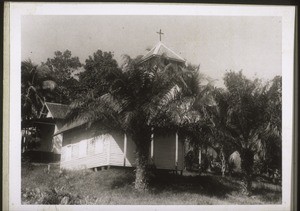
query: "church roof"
161, 50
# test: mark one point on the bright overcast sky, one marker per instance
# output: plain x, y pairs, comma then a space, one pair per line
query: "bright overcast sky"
252, 44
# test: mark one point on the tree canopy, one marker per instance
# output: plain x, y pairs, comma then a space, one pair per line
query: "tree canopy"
99, 71
64, 68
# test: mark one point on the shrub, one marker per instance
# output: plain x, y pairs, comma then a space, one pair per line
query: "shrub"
51, 196
32, 196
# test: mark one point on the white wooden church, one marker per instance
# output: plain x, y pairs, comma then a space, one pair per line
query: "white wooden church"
91, 148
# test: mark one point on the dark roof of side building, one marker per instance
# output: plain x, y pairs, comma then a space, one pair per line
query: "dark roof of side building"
71, 125
58, 111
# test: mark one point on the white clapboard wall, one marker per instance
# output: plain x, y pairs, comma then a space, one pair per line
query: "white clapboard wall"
82, 149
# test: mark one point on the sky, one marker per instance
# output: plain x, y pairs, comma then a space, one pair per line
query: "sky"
216, 43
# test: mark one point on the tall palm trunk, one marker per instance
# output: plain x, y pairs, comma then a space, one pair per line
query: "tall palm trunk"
142, 154
247, 161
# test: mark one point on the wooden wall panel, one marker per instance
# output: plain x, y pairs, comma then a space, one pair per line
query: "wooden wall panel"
116, 150
113, 151
94, 157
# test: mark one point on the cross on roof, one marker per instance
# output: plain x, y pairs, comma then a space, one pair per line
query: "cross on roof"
160, 33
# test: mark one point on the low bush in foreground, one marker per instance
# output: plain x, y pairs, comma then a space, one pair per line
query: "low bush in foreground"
115, 186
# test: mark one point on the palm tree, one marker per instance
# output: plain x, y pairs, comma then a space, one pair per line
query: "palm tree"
246, 115
139, 100
36, 86
269, 150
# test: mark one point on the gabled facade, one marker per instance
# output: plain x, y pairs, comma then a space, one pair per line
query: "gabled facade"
57, 112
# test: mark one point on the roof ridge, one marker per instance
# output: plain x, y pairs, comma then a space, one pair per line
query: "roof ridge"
161, 47
146, 55
172, 51
57, 103
157, 47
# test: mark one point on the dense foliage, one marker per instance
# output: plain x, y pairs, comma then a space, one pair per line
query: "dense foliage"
249, 118
52, 81
64, 68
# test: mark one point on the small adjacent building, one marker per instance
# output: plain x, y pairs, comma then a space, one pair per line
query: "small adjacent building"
38, 141
57, 112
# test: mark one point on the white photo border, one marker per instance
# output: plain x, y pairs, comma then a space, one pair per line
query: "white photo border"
17, 10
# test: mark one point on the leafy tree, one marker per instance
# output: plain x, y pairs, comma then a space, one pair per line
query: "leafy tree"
249, 115
100, 70
138, 100
37, 85
64, 67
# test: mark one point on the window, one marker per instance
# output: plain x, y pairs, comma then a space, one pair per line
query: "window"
82, 148
75, 151
99, 144
68, 151
91, 146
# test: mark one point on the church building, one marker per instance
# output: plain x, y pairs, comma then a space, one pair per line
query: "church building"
91, 148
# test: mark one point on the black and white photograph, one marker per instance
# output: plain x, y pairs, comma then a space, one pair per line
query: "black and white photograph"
136, 104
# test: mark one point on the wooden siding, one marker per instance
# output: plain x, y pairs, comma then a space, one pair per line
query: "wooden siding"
117, 150
164, 151
108, 150
88, 158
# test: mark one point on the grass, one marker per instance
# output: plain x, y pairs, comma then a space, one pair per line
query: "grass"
115, 186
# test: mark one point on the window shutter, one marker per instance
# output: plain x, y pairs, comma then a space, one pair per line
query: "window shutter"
91, 146
99, 144
82, 148
75, 151
68, 152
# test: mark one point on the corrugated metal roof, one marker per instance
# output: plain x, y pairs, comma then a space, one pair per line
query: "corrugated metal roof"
58, 111
161, 50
